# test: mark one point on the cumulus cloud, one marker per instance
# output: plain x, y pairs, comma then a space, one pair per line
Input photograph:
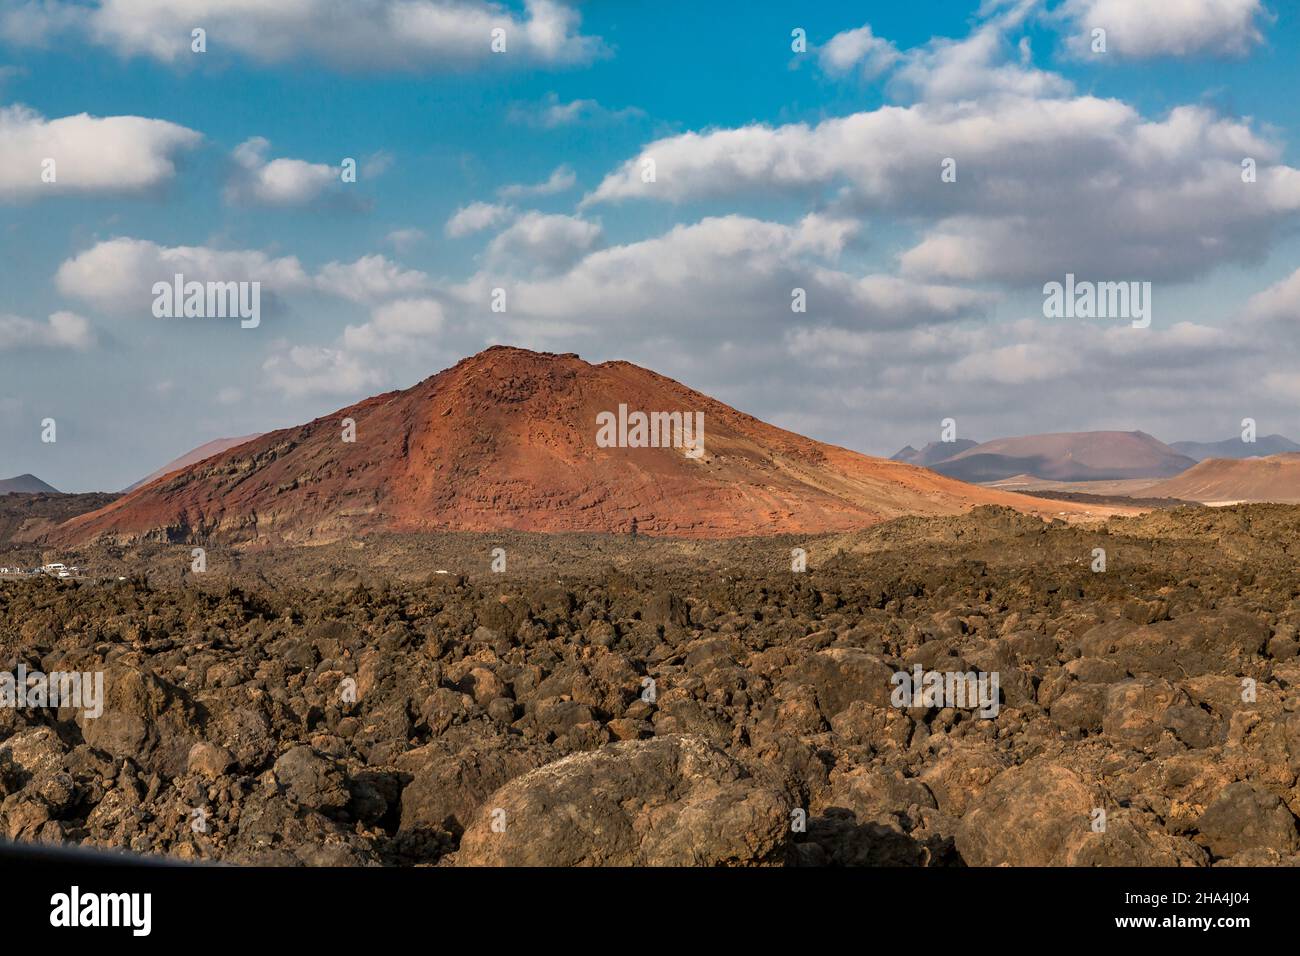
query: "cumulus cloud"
944, 69
858, 51
561, 179
34, 22
361, 359
1024, 363
279, 182
738, 271
874, 363
398, 327
978, 66
1016, 376
62, 330
543, 243
370, 279
476, 217
91, 155
420, 35
1044, 186
1277, 306
302, 370
1048, 182
117, 276
1176, 28
877, 360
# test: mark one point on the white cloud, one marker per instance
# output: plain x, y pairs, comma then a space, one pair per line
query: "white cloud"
858, 50
1020, 376
279, 182
949, 70
476, 217
1278, 305
1166, 27
1020, 364
737, 271
978, 66
370, 279
62, 330
303, 370
709, 303
113, 154
561, 178
1044, 186
544, 243
35, 21
117, 276
397, 328
360, 362
420, 35
1048, 182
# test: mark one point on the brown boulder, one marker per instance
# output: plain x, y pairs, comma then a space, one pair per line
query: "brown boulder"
670, 801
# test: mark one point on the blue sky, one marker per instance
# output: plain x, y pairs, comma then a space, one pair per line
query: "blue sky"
776, 168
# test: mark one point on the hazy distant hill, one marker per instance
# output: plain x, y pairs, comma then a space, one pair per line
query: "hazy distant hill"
1067, 456
1219, 480
214, 447
1235, 448
933, 453
25, 484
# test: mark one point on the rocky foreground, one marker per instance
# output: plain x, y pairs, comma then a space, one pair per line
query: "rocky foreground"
640, 707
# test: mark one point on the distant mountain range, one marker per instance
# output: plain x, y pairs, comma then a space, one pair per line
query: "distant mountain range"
1081, 456
25, 485
1064, 456
1235, 448
932, 453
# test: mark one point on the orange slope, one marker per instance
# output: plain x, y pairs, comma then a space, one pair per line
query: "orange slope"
507, 439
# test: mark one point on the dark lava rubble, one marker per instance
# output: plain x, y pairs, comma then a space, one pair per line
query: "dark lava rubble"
650, 704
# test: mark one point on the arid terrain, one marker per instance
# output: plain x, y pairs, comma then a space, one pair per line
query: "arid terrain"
508, 439
1067, 457
1225, 481
444, 626
615, 700
26, 519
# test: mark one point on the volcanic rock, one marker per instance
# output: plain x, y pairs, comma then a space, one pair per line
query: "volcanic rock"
671, 801
507, 439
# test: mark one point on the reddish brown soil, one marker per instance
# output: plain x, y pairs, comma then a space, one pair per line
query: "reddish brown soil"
1223, 480
506, 439
193, 457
